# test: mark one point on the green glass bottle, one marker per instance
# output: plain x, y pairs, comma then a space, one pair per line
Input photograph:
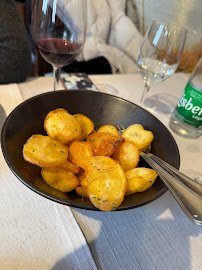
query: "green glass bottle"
186, 119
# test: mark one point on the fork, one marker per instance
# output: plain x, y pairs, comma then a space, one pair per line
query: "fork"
185, 190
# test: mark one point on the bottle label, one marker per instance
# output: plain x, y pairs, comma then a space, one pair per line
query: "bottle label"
189, 107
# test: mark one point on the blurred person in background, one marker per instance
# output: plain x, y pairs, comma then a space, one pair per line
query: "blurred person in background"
112, 40
15, 52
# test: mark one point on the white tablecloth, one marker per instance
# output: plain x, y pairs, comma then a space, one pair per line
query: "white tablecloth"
36, 233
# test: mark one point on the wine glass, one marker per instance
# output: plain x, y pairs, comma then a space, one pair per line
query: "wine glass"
160, 53
59, 31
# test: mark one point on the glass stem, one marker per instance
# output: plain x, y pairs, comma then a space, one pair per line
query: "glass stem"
144, 94
56, 74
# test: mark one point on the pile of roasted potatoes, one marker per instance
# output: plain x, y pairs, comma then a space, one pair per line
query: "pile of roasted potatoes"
99, 164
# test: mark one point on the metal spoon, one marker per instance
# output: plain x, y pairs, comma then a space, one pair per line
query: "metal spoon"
188, 199
185, 190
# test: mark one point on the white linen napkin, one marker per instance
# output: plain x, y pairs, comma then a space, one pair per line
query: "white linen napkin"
35, 233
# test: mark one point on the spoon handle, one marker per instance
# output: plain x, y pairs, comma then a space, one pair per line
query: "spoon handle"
195, 186
189, 200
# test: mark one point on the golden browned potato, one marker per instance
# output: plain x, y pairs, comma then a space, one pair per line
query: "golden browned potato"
146, 149
140, 179
82, 191
84, 182
81, 174
103, 143
40, 183
79, 152
60, 179
106, 190
127, 154
102, 168
87, 126
62, 126
138, 135
82, 177
99, 164
44, 151
109, 128
70, 167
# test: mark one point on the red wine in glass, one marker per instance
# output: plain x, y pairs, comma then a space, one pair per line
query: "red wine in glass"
59, 31
58, 52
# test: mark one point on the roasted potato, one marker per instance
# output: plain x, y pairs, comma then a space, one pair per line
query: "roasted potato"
146, 149
82, 178
87, 126
96, 164
40, 183
99, 164
110, 129
79, 152
140, 179
82, 191
103, 143
84, 182
127, 154
106, 189
138, 135
44, 151
62, 126
81, 174
60, 179
69, 166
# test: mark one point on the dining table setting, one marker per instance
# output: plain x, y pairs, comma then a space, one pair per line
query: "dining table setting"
39, 232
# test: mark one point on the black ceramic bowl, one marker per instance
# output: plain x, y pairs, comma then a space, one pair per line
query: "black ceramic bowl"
27, 119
